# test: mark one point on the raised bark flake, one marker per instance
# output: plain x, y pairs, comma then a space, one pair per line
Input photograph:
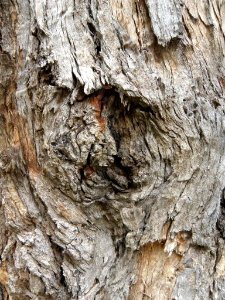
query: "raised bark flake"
166, 20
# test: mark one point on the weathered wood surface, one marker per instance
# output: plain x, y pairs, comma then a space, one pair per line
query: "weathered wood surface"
112, 149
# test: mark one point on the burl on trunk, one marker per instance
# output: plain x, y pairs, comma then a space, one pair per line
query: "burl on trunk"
112, 149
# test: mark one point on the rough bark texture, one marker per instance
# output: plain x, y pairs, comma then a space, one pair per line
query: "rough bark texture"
112, 152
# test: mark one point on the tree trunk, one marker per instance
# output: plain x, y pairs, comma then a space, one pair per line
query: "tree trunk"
112, 155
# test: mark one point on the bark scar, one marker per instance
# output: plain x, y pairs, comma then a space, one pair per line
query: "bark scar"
97, 104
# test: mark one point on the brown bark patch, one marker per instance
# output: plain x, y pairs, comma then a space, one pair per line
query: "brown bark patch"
165, 230
27, 146
64, 212
19, 137
88, 171
156, 273
3, 274
4, 281
96, 103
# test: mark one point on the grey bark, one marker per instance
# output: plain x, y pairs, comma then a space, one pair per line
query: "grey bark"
112, 161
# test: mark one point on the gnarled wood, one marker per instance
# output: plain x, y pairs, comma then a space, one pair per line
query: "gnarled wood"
112, 156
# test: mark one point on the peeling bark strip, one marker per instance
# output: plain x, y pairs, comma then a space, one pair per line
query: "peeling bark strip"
112, 138
166, 19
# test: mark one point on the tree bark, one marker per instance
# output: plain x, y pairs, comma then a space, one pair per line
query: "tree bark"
112, 143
